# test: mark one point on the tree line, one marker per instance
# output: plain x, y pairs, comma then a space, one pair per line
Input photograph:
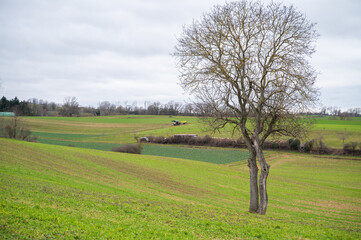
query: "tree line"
31, 107
337, 112
71, 108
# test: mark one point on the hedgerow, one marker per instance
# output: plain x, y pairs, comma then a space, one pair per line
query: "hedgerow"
314, 146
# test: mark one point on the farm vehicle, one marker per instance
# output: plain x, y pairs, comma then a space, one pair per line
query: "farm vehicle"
177, 122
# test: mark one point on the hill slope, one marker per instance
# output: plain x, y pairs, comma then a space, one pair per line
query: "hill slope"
121, 129
63, 192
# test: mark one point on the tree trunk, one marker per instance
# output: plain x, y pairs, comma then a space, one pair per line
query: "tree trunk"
263, 182
253, 174
263, 190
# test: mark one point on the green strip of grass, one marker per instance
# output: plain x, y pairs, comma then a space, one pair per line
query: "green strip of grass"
66, 136
218, 156
89, 145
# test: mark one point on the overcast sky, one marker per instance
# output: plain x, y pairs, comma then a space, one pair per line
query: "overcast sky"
119, 50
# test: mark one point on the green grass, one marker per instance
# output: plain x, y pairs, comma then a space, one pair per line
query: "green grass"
114, 129
65, 136
122, 129
354, 124
89, 145
61, 192
125, 132
331, 130
211, 155
142, 119
56, 192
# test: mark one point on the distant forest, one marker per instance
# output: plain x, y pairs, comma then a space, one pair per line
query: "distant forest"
70, 107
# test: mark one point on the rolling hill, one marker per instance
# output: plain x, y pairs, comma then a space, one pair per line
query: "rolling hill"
62, 192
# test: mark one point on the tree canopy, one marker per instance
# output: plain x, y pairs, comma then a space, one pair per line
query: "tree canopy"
248, 65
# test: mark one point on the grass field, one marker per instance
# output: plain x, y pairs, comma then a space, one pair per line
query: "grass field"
332, 130
87, 192
49, 191
122, 129
212, 155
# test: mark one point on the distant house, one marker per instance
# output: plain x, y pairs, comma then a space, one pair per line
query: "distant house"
7, 114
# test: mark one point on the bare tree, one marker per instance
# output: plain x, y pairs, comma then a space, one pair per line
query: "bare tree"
15, 128
343, 136
154, 108
248, 65
106, 108
70, 107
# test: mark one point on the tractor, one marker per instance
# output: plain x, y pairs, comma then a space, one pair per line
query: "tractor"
177, 122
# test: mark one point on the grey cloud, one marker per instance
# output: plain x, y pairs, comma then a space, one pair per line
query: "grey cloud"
118, 50
344, 97
333, 17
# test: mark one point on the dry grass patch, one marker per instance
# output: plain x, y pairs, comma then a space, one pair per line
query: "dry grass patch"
332, 204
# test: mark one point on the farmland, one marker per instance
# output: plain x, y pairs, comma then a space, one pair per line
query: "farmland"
122, 129
60, 192
70, 186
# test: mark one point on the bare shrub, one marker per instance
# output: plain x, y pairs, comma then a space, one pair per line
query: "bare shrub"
129, 148
192, 141
159, 139
156, 139
16, 128
315, 146
309, 145
188, 139
173, 140
320, 147
205, 140
223, 142
269, 144
283, 145
351, 149
274, 144
241, 143
294, 144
